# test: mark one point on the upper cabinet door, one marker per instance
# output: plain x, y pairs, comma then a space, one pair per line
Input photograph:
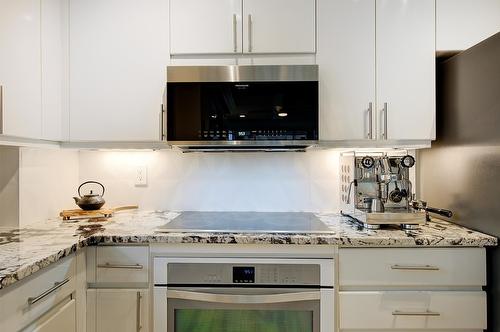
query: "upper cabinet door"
279, 26
20, 68
205, 26
119, 55
54, 59
406, 100
346, 59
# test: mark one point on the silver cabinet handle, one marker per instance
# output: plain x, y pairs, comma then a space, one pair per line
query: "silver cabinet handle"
235, 34
162, 122
415, 313
1, 109
415, 267
369, 135
121, 266
57, 285
243, 299
384, 127
138, 313
250, 46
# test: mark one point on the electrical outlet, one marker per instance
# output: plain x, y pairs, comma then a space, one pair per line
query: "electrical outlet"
141, 176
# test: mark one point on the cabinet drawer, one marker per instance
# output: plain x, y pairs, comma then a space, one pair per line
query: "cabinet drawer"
412, 267
391, 310
24, 303
61, 319
126, 264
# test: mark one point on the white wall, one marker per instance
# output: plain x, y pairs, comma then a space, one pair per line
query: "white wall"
217, 182
48, 178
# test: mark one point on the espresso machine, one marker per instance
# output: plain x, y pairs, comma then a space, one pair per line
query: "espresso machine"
376, 189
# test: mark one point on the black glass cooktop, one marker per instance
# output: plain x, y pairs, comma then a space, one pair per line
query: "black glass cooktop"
246, 222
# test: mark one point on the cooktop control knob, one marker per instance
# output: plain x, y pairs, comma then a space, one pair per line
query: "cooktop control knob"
408, 161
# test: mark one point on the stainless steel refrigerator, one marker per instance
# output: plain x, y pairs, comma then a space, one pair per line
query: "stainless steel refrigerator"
461, 171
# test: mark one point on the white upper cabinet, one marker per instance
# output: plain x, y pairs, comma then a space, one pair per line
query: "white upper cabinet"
205, 26
54, 59
242, 26
31, 68
346, 58
20, 68
119, 54
279, 26
372, 54
461, 24
406, 97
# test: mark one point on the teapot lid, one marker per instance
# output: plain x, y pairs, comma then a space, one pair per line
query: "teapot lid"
91, 191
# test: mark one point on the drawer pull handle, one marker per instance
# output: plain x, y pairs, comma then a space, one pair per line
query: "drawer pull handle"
415, 313
415, 267
57, 285
121, 266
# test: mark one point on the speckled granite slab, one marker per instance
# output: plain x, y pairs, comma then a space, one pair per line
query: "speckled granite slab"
25, 251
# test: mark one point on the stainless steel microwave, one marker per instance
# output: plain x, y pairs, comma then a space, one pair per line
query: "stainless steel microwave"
242, 108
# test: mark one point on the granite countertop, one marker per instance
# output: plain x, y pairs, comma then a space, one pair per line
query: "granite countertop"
27, 250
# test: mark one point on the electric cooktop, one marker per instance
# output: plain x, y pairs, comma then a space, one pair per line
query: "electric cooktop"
245, 222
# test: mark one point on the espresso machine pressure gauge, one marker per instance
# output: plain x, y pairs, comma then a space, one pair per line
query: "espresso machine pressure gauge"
367, 162
408, 161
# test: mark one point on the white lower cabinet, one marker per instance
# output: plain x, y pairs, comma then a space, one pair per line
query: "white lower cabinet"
62, 319
118, 299
392, 310
418, 289
117, 310
42, 301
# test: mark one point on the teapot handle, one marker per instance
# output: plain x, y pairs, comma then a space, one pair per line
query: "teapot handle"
87, 182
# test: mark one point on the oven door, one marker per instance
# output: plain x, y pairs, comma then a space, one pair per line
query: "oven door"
239, 309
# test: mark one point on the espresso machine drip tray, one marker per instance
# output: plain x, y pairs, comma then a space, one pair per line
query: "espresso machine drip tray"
374, 220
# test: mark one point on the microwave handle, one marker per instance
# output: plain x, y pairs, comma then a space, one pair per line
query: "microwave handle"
243, 299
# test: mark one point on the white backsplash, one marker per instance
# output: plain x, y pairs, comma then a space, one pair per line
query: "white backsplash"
217, 182
47, 181
35, 184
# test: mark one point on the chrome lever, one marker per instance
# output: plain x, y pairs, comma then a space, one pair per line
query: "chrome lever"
138, 313
384, 127
369, 135
121, 266
250, 46
235, 34
415, 313
57, 285
415, 267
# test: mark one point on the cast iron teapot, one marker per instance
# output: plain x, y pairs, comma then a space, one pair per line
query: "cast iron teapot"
90, 201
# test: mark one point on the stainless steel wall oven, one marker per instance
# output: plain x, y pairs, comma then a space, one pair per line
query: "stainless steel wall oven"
243, 295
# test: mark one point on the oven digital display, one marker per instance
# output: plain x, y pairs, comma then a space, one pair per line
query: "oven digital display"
243, 274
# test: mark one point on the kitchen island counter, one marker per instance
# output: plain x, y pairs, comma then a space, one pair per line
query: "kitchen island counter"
27, 250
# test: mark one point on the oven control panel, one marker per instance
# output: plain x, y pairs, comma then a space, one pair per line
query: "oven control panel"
247, 274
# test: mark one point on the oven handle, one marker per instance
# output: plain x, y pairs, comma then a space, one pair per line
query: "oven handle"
244, 299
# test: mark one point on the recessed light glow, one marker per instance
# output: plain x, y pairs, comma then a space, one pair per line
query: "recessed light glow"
243, 116
282, 114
